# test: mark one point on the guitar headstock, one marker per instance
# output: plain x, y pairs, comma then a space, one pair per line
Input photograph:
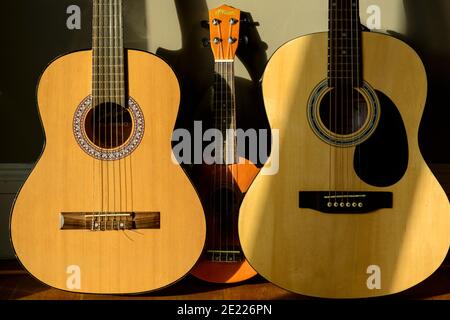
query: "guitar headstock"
224, 23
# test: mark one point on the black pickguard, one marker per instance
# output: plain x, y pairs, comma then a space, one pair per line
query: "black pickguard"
382, 160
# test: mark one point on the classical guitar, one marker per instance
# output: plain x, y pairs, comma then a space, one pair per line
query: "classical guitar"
222, 185
105, 209
354, 210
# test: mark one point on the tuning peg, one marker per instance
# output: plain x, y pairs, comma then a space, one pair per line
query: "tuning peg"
204, 24
206, 42
231, 40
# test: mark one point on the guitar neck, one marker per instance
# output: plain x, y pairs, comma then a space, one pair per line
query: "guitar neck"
345, 50
108, 75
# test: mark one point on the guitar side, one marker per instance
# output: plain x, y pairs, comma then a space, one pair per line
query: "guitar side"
334, 256
66, 179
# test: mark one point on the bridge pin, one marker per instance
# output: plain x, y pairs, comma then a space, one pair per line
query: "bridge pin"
348, 204
329, 204
360, 205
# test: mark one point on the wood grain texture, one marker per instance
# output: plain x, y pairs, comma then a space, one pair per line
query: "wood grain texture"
326, 255
66, 179
208, 179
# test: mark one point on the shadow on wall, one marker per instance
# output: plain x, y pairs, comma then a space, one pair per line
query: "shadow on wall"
34, 33
428, 30
194, 66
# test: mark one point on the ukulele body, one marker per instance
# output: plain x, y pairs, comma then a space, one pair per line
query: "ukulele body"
67, 179
343, 255
221, 189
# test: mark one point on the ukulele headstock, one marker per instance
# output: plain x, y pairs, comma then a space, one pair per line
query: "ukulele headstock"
224, 24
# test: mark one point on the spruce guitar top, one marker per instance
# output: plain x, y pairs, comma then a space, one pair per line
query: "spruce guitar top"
222, 185
105, 209
354, 210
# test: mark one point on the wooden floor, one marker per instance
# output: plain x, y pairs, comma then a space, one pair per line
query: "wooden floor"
15, 283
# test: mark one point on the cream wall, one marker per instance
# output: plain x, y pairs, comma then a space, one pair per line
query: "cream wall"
280, 20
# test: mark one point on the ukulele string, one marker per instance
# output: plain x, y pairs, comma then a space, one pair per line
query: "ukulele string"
235, 171
229, 161
215, 164
223, 154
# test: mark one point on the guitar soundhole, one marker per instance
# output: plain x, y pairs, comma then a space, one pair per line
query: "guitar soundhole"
108, 125
345, 112
343, 118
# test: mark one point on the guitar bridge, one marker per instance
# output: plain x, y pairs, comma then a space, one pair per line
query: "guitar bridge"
345, 202
105, 221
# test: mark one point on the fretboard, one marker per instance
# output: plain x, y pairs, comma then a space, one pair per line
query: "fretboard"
108, 83
344, 59
224, 104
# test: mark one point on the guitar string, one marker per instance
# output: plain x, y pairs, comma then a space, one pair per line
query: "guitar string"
354, 95
343, 106
330, 87
111, 102
335, 162
94, 98
124, 103
347, 93
359, 81
117, 105
100, 102
348, 39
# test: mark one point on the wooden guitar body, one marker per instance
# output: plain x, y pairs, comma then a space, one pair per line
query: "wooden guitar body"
221, 189
67, 179
346, 255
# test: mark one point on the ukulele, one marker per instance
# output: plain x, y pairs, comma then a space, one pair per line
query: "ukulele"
354, 210
222, 185
105, 210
